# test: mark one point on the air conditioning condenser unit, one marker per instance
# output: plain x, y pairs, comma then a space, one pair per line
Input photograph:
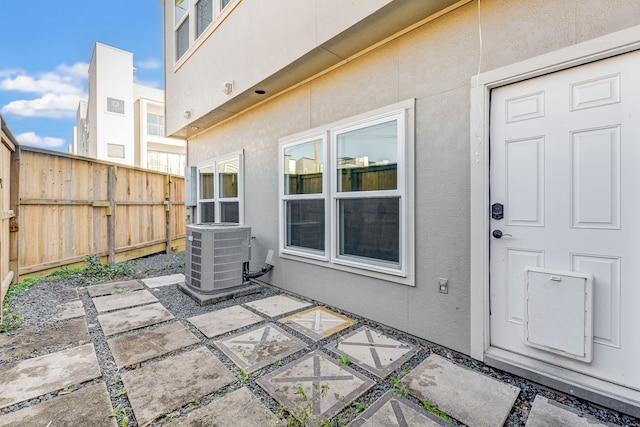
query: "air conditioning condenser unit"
216, 254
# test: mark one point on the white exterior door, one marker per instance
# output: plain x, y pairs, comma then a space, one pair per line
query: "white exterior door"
565, 163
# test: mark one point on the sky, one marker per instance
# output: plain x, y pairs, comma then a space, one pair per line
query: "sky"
45, 50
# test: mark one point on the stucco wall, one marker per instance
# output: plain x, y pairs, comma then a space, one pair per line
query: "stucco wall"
433, 64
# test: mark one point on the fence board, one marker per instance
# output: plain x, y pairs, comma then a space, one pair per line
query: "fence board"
66, 207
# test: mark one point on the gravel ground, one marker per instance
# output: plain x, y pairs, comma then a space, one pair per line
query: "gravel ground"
43, 300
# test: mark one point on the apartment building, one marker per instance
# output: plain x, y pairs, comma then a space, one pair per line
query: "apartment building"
123, 121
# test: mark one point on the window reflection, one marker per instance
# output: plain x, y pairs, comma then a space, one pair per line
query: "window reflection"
367, 158
207, 183
228, 178
303, 167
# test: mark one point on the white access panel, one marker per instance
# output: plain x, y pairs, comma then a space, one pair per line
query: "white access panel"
558, 312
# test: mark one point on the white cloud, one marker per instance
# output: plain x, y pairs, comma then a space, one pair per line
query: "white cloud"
78, 70
149, 64
150, 83
49, 105
30, 138
59, 90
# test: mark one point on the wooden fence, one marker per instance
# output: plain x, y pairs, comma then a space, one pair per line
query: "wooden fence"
8, 258
70, 207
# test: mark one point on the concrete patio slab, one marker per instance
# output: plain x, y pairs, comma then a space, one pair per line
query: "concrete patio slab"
463, 394
318, 322
238, 408
156, 389
156, 282
116, 322
44, 374
259, 347
110, 288
70, 310
29, 342
222, 321
277, 305
546, 413
119, 301
221, 294
373, 351
389, 411
68, 295
144, 345
327, 386
89, 406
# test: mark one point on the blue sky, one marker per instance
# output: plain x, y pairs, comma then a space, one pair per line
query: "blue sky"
45, 49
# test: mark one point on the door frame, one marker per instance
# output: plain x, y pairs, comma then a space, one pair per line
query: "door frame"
613, 44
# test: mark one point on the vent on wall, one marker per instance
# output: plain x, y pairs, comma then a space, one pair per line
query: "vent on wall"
216, 254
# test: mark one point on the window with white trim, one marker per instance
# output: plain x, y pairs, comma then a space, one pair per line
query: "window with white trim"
155, 124
354, 211
220, 191
191, 19
304, 194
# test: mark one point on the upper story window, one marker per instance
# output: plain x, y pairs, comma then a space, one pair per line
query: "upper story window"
220, 190
155, 124
191, 19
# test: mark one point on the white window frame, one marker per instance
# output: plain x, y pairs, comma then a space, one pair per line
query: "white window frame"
295, 250
404, 272
399, 192
157, 127
216, 194
218, 13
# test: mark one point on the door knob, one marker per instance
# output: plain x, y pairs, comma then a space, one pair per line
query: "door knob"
498, 234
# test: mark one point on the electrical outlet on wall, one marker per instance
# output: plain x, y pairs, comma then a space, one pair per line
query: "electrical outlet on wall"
443, 285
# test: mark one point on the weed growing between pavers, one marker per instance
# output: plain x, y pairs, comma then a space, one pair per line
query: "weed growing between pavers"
94, 272
11, 317
344, 360
242, 375
435, 411
302, 411
121, 416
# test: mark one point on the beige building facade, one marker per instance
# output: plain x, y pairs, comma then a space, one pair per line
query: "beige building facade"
361, 133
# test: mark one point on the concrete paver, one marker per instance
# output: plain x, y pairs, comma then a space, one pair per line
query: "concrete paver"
318, 322
277, 305
238, 408
222, 321
468, 396
29, 342
144, 345
546, 413
116, 322
68, 295
328, 387
110, 288
131, 299
44, 374
389, 411
158, 388
89, 406
70, 310
373, 351
156, 282
259, 347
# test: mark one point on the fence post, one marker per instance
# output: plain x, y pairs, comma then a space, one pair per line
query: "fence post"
167, 210
111, 215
